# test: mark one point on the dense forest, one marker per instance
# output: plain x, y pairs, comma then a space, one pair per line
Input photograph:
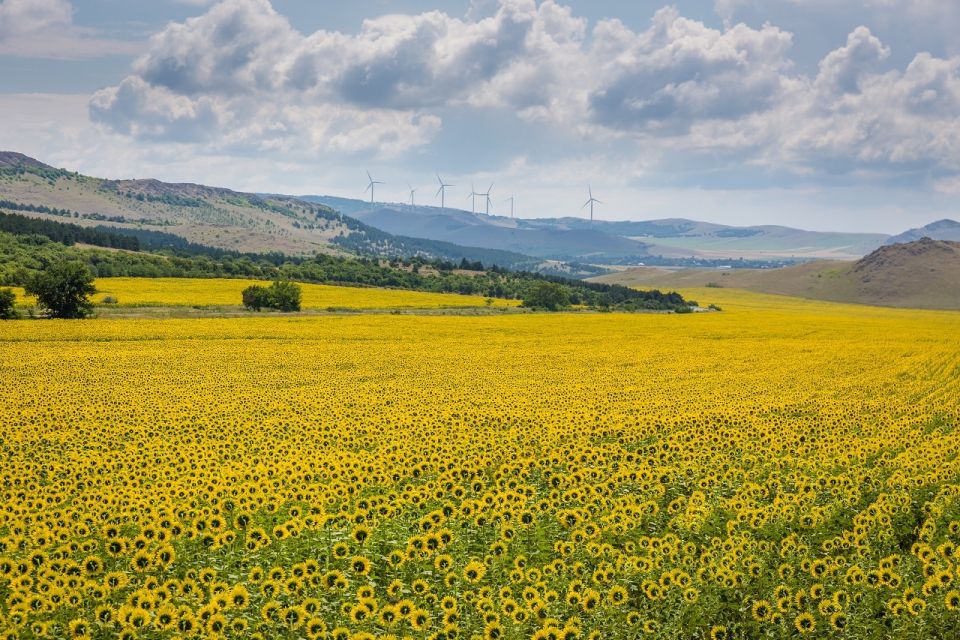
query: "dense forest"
29, 246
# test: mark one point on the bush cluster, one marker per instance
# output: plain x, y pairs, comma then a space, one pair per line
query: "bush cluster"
282, 295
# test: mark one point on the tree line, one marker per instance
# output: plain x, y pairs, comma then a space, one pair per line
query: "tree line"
29, 246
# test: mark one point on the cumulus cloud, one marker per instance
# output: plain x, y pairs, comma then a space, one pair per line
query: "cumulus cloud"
680, 71
240, 76
901, 117
242, 58
842, 69
45, 29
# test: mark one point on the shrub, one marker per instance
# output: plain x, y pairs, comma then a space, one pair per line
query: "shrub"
256, 297
7, 300
281, 295
285, 296
64, 290
547, 295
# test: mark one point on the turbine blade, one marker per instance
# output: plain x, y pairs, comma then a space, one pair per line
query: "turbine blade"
585, 204
369, 177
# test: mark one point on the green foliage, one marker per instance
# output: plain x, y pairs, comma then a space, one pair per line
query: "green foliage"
21, 256
66, 233
7, 301
64, 290
282, 295
285, 296
551, 296
255, 297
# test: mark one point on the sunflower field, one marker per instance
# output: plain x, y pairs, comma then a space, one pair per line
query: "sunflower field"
182, 292
783, 469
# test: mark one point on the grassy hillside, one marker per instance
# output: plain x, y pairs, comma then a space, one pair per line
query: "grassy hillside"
214, 217
922, 274
205, 215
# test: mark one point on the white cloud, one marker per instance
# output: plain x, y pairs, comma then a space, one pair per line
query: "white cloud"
842, 69
680, 71
45, 29
373, 91
241, 78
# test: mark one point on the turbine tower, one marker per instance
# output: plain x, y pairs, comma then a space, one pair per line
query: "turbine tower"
473, 198
486, 195
590, 202
511, 204
442, 191
371, 185
412, 191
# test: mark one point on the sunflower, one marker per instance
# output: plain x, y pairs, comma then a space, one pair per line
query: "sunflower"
805, 623
360, 565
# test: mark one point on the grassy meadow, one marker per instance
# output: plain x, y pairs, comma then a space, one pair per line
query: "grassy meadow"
783, 469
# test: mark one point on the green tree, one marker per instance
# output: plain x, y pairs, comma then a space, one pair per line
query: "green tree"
7, 301
282, 295
256, 297
547, 295
285, 296
64, 289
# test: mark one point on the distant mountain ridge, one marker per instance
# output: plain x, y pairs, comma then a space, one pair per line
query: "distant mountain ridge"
223, 218
945, 229
609, 242
922, 274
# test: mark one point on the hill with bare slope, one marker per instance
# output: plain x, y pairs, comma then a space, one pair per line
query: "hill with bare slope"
205, 215
224, 219
922, 274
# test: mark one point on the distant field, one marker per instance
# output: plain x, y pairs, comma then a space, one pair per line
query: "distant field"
783, 469
188, 292
776, 243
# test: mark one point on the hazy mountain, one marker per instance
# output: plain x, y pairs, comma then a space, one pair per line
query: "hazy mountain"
555, 241
222, 218
920, 274
579, 239
940, 230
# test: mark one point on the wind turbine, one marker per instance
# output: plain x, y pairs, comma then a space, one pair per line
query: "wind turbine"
487, 196
412, 191
473, 198
590, 202
370, 186
442, 191
511, 204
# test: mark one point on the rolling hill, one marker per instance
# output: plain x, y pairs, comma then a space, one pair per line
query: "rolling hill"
623, 242
940, 230
480, 230
920, 274
224, 219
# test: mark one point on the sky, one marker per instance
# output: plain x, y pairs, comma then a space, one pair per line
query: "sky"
815, 114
